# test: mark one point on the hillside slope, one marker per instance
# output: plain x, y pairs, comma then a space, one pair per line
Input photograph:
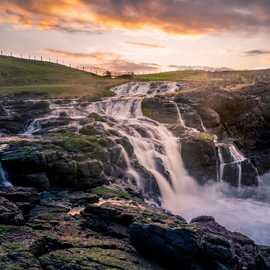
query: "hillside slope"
21, 75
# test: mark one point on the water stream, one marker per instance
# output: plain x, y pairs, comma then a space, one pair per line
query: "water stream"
4, 181
157, 150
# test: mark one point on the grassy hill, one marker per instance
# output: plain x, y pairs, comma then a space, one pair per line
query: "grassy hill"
21, 75
197, 75
174, 76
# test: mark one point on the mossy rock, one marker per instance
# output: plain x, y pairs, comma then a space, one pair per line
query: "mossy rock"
107, 192
93, 258
160, 110
205, 136
19, 261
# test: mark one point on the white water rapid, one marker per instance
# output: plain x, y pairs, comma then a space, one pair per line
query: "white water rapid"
233, 157
4, 182
158, 153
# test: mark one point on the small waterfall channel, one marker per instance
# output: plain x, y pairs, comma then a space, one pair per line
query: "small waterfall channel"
155, 147
159, 166
4, 181
230, 156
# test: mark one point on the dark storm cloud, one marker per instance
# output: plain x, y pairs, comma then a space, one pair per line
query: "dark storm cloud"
257, 52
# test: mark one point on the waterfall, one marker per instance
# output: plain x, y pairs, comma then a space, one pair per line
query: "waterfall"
180, 118
229, 155
155, 147
4, 181
32, 128
156, 167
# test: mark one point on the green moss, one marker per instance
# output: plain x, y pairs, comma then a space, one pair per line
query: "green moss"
6, 229
159, 110
109, 192
82, 143
91, 258
208, 137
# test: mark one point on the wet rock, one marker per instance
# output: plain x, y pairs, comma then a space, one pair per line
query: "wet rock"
39, 181
19, 261
22, 112
170, 248
199, 156
23, 198
47, 244
90, 173
250, 175
10, 214
160, 110
92, 258
209, 117
203, 244
52, 123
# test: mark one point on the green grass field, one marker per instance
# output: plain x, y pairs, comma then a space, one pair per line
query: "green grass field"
202, 76
20, 75
183, 75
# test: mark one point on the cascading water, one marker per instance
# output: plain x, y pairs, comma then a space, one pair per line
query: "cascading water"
158, 152
4, 181
229, 155
180, 118
155, 148
70, 110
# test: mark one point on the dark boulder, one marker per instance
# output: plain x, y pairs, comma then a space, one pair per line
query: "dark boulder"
199, 157
10, 214
39, 181
204, 244
23, 198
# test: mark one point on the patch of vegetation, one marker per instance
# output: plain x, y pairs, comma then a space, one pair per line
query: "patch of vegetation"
82, 143
21, 75
159, 111
6, 229
108, 192
208, 137
174, 76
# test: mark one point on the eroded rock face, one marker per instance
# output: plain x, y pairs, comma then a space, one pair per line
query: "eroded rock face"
10, 214
17, 113
112, 228
203, 244
69, 161
199, 156
239, 115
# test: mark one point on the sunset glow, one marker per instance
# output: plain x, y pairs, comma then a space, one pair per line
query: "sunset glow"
146, 36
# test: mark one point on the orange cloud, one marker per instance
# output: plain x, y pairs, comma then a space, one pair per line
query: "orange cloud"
183, 17
106, 61
99, 56
145, 45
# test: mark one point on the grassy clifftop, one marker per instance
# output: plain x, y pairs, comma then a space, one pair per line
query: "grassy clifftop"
20, 75
200, 75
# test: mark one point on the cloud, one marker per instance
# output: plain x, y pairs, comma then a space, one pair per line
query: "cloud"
184, 17
99, 56
123, 65
145, 45
106, 61
257, 52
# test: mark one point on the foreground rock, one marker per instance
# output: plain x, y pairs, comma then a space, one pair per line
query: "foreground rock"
112, 228
10, 213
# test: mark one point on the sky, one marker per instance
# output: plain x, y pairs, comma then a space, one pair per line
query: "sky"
139, 35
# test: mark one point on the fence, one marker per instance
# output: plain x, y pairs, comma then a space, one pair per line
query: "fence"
55, 60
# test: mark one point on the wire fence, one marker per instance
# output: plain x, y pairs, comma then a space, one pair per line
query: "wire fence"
97, 70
